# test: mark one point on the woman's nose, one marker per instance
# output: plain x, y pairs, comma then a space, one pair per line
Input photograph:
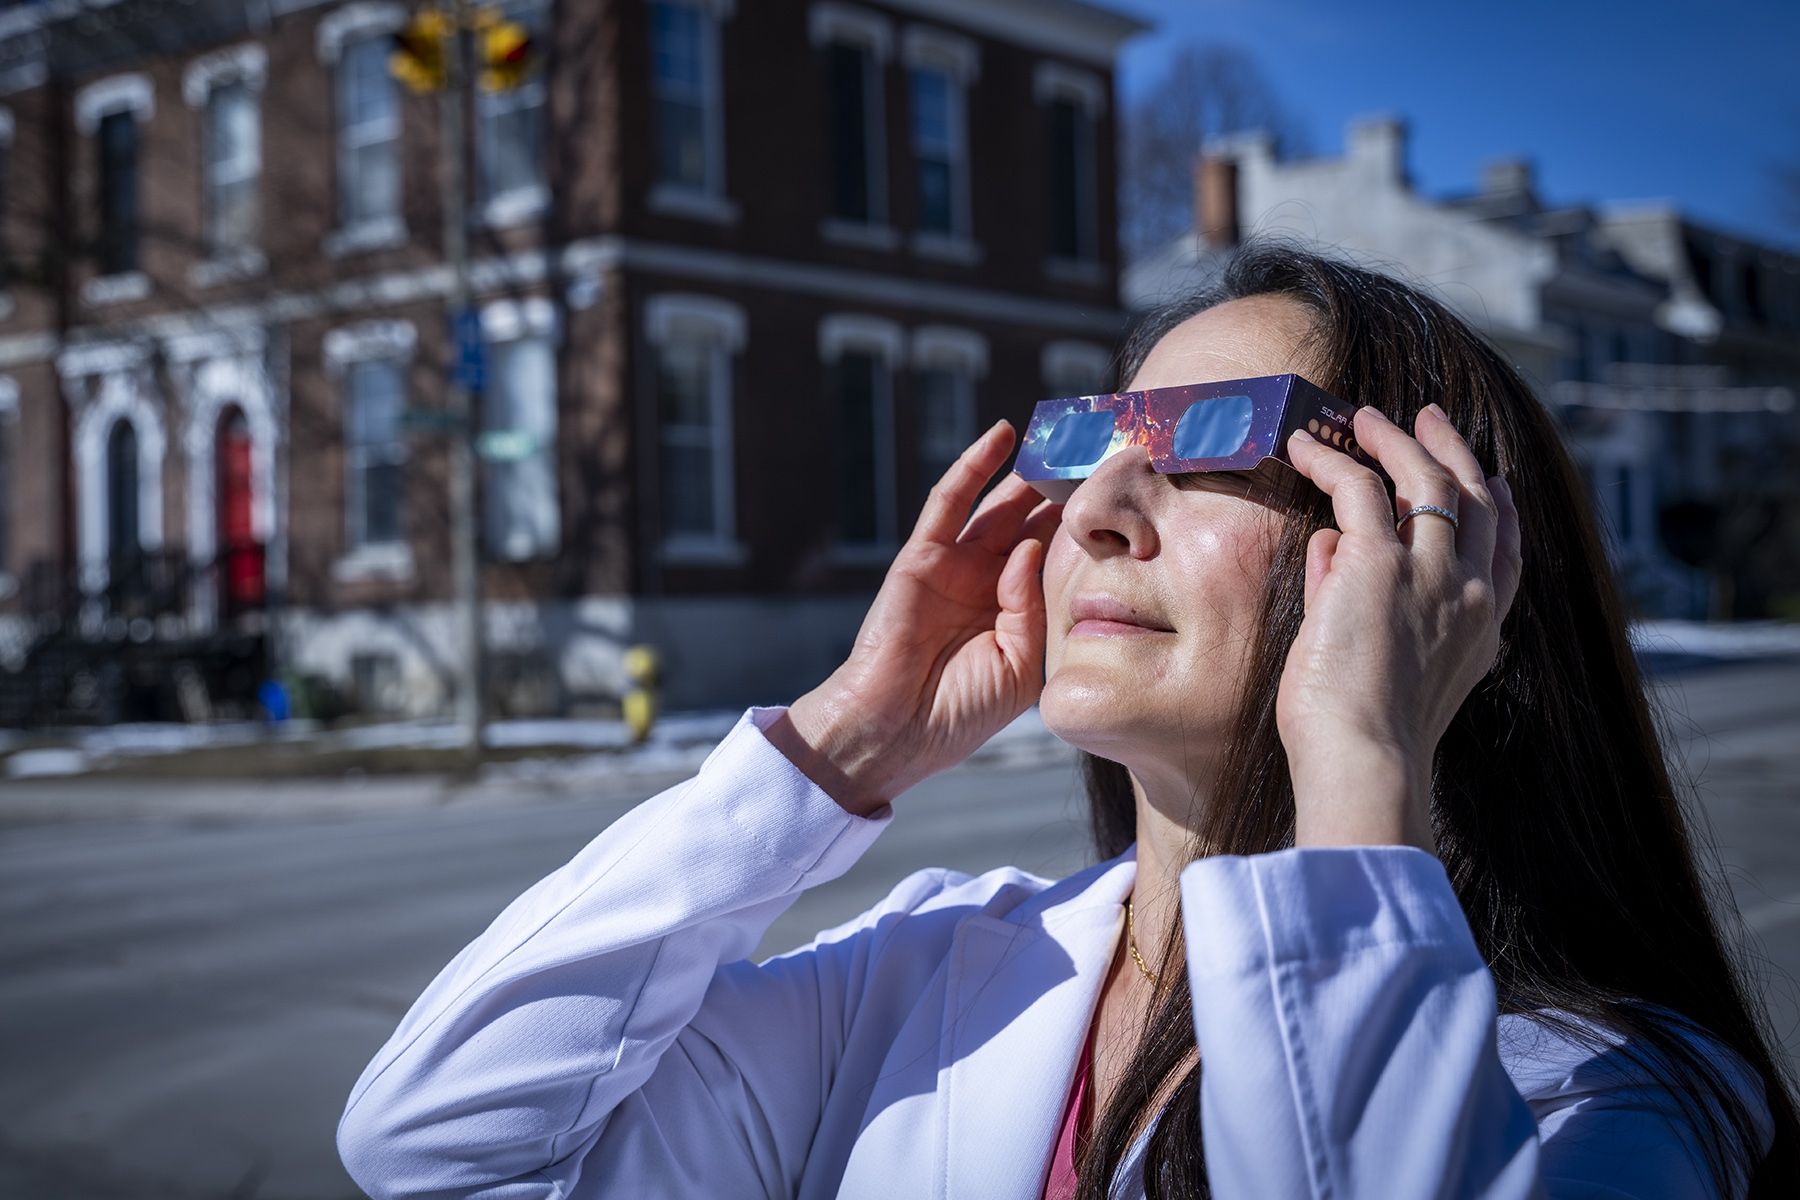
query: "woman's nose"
1110, 510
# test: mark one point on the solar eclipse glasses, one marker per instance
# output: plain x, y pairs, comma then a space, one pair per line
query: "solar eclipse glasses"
1228, 426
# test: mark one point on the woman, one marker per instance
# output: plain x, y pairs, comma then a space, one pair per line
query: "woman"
1399, 900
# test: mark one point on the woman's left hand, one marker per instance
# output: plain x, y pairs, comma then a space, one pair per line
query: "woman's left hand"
1400, 626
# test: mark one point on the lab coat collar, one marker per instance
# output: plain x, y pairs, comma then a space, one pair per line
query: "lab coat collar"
1020, 996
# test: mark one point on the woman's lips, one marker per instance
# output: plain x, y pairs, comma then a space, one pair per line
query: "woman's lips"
1097, 628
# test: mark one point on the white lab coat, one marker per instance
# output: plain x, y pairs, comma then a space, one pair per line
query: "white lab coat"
606, 1035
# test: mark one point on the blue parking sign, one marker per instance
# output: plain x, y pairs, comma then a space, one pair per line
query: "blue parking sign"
471, 351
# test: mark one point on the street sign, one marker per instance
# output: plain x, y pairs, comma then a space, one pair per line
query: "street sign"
506, 445
471, 351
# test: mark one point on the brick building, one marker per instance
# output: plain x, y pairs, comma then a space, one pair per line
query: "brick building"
747, 276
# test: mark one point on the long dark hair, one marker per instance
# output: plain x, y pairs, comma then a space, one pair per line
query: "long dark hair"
1555, 814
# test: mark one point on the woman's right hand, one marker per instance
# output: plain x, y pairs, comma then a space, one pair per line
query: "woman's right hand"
951, 651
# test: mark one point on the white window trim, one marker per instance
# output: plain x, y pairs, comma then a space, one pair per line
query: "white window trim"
842, 333
369, 341
527, 316
131, 93
832, 22
947, 346
707, 202
676, 315
120, 288
247, 64
1068, 357
365, 340
363, 19
924, 46
1058, 81
829, 23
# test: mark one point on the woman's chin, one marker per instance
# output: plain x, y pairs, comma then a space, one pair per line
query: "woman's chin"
1090, 713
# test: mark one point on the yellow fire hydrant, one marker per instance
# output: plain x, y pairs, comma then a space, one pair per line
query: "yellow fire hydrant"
640, 697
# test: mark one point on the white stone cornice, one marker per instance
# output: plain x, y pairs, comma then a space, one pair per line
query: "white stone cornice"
925, 46
668, 316
843, 332
247, 64
367, 18
947, 346
117, 93
367, 340
828, 21
1059, 81
511, 319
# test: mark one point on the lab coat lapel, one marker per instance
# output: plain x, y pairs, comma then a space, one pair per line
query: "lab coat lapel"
1020, 995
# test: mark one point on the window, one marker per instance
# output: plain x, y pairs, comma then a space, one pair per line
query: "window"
852, 106
510, 136
940, 69
946, 422
225, 88
936, 146
1073, 101
694, 338
368, 131
374, 454
859, 387
117, 143
233, 157
108, 112
521, 516
686, 87
854, 45
946, 363
1071, 169
860, 354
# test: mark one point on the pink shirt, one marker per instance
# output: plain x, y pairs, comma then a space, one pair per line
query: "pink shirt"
1061, 1184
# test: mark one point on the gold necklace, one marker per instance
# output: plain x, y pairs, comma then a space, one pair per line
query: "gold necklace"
1131, 944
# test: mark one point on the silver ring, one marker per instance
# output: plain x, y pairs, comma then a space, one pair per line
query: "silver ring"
1433, 509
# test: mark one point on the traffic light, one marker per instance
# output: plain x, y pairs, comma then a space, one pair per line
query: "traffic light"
420, 49
507, 55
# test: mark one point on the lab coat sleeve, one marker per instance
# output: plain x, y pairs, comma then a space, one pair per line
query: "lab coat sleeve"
525, 1062
1348, 1035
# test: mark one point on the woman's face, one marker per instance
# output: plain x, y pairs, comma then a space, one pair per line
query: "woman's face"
1186, 555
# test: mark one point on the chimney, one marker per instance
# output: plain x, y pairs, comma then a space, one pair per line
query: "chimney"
1381, 143
1216, 200
1507, 176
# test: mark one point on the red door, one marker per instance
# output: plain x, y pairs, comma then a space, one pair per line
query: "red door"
240, 555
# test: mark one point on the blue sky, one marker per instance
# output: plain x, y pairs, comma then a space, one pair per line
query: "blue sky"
1674, 100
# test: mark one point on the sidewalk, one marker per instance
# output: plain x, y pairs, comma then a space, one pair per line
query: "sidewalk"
571, 753
234, 771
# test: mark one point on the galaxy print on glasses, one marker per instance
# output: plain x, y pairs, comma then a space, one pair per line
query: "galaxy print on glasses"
1228, 426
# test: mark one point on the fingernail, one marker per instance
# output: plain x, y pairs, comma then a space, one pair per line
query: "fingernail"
1436, 411
1376, 413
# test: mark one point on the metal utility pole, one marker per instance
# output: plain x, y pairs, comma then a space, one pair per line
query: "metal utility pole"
465, 565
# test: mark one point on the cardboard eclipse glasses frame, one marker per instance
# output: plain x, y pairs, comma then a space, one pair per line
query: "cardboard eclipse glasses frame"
1226, 426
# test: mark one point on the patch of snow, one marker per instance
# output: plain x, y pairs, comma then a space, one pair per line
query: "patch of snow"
43, 764
1740, 639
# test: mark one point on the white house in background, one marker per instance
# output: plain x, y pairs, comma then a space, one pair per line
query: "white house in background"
1596, 309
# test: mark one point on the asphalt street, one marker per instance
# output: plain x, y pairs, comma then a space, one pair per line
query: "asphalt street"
188, 991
